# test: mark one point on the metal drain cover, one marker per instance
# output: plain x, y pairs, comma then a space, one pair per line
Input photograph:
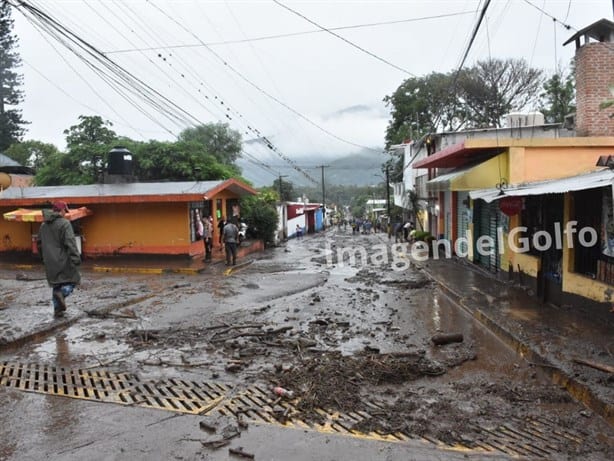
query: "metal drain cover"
533, 437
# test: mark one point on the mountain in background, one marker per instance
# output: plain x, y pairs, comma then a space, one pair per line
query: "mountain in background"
358, 169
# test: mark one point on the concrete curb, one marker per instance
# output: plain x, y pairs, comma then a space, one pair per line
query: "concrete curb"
230, 269
67, 321
42, 332
579, 391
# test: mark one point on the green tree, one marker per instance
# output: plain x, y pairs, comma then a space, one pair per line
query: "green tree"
31, 153
218, 140
286, 191
177, 161
260, 214
60, 169
558, 98
494, 87
476, 97
88, 143
91, 130
11, 122
420, 105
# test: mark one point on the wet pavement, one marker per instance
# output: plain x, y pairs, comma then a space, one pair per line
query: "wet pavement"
553, 338
191, 311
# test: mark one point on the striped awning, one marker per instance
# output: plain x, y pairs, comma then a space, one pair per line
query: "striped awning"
28, 215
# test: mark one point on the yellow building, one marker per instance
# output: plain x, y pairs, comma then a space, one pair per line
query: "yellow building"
527, 198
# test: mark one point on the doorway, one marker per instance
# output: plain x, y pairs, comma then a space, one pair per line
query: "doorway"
550, 280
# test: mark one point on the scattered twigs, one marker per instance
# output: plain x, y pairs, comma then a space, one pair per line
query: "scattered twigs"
261, 334
227, 328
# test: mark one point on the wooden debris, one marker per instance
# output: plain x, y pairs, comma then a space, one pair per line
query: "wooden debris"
447, 338
234, 367
239, 452
597, 366
272, 332
319, 322
144, 335
207, 427
241, 422
217, 443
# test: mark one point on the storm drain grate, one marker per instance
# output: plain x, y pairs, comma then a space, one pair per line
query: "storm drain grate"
259, 405
104, 386
77, 383
175, 395
531, 437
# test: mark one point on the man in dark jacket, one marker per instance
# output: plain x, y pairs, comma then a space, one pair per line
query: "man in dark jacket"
60, 255
230, 233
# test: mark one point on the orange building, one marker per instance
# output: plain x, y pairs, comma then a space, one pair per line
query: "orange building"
128, 218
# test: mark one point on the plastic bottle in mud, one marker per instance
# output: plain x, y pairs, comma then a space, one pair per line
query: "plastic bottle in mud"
283, 392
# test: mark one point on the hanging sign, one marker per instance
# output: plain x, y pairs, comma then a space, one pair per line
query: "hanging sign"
510, 206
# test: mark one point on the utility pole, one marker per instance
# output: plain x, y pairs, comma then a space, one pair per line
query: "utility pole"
283, 209
281, 197
323, 196
388, 200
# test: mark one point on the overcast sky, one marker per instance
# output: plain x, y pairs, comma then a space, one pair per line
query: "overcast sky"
212, 59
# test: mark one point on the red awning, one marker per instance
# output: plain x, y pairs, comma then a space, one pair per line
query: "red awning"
27, 215
457, 155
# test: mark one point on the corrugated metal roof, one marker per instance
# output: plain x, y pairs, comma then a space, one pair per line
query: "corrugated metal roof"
593, 180
7, 161
111, 190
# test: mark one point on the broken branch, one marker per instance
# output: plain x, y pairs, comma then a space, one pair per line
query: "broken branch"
595, 365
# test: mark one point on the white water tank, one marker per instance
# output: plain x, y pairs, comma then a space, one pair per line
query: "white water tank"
520, 119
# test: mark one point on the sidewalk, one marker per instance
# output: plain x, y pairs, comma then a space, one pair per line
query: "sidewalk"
144, 264
553, 338
26, 313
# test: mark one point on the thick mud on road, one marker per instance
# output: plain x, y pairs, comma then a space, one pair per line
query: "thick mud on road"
350, 342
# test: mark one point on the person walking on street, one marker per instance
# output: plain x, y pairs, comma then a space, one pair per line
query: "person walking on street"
208, 237
58, 248
220, 227
230, 234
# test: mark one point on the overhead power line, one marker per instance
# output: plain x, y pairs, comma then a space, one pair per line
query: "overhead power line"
290, 34
452, 87
358, 47
264, 139
258, 88
118, 78
474, 33
566, 26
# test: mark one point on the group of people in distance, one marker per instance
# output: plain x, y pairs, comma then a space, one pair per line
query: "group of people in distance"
228, 237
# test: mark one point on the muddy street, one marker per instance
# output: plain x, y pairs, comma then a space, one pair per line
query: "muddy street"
304, 349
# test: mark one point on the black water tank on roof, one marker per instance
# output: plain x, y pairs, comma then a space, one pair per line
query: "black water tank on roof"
119, 161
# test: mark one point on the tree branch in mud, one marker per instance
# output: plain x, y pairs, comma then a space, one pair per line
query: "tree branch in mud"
275, 331
595, 365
